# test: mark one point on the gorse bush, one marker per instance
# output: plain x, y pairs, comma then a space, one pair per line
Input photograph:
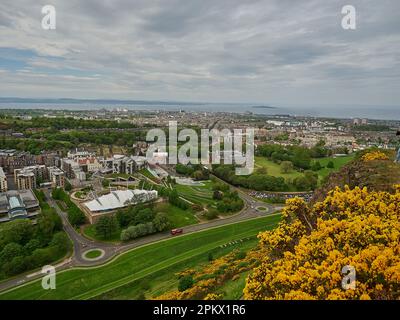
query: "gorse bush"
375, 155
304, 256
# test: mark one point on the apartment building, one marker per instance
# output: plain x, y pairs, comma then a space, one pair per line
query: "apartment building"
25, 179
3, 181
57, 177
124, 164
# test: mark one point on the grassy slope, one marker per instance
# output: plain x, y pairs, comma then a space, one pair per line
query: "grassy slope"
167, 279
135, 264
197, 194
274, 169
178, 217
339, 162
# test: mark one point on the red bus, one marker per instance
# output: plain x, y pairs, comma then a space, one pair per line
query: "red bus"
176, 231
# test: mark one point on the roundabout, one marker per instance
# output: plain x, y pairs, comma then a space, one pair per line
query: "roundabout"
93, 254
262, 209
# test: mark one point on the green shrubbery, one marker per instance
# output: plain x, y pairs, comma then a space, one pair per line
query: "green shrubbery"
196, 171
136, 221
25, 246
255, 181
159, 223
75, 216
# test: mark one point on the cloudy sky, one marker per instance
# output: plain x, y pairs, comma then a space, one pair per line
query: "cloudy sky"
282, 52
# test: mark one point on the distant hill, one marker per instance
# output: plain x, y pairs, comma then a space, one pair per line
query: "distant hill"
264, 107
90, 101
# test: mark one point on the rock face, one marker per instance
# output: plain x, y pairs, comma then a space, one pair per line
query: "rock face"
377, 175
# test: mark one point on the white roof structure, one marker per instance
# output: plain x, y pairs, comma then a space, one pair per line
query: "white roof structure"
119, 199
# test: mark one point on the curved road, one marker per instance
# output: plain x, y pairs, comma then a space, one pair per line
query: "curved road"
82, 244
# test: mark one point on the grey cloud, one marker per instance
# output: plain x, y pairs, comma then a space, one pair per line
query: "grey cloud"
278, 50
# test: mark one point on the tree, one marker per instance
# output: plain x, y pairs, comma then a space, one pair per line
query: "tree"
185, 283
106, 226
76, 217
210, 256
330, 165
18, 231
316, 166
10, 251
212, 213
161, 222
61, 242
105, 183
286, 166
262, 170
67, 186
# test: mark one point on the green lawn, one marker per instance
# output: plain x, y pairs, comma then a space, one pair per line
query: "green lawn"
86, 283
339, 162
93, 254
274, 169
178, 217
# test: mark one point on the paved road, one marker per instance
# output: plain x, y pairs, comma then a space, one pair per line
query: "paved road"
82, 244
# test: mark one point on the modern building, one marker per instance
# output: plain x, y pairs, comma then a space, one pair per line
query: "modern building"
57, 177
39, 171
25, 179
124, 164
116, 200
3, 181
18, 204
72, 169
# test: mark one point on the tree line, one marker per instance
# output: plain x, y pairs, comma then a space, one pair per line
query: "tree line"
26, 246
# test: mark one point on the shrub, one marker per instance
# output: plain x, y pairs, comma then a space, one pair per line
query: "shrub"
185, 283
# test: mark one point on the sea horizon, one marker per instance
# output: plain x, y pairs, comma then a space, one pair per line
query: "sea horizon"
336, 112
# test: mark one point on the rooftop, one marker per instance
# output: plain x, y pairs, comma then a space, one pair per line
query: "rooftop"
118, 199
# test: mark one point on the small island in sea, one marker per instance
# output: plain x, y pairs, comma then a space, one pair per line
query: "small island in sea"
264, 107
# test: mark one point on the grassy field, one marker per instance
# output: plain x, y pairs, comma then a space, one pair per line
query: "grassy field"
86, 283
338, 162
274, 169
178, 217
